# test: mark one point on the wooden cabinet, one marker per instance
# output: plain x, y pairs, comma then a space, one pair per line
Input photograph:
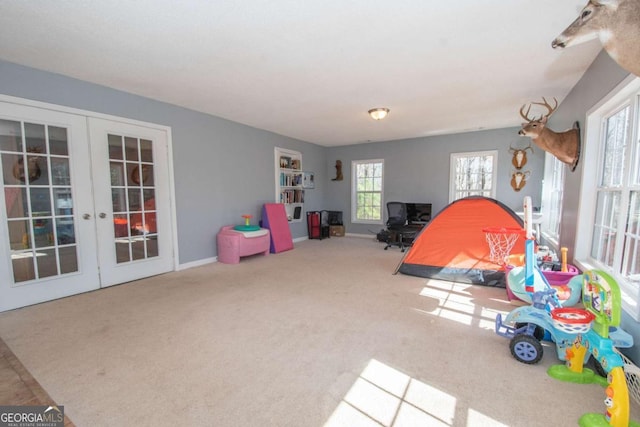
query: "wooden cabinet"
289, 182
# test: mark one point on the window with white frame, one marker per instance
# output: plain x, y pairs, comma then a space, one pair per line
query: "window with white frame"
473, 174
552, 193
608, 228
366, 191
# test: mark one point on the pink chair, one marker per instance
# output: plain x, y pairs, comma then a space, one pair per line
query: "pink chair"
233, 244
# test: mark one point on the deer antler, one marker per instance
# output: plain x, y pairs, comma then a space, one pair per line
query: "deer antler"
549, 108
526, 115
545, 104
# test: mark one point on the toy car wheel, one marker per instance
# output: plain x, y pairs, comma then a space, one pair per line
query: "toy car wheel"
538, 333
526, 349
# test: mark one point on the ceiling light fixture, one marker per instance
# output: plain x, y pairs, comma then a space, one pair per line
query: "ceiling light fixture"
378, 113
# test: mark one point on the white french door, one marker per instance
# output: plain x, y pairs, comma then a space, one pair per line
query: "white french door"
85, 204
132, 202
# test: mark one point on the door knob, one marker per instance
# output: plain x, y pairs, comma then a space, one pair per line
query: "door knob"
86, 216
102, 215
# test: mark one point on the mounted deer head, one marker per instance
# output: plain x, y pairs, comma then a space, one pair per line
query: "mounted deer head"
519, 156
519, 180
616, 23
564, 145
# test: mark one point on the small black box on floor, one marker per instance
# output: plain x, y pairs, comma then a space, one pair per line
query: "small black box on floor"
333, 217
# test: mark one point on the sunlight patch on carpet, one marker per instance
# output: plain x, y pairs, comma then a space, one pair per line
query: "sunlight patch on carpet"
382, 395
455, 302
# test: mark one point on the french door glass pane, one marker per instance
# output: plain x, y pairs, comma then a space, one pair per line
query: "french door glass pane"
35, 138
60, 171
58, 141
38, 200
10, 136
132, 198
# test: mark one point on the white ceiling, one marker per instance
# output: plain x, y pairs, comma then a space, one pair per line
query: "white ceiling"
311, 69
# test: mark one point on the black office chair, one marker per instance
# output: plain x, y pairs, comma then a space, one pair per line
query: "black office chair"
399, 230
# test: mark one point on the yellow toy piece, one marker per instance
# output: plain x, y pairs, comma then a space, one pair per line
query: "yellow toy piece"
576, 355
617, 400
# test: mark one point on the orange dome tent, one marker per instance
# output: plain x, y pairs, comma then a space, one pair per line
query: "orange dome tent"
453, 246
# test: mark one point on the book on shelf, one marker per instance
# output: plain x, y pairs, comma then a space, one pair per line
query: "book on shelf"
290, 180
292, 196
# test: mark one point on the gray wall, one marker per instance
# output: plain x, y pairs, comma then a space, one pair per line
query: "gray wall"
222, 169
417, 170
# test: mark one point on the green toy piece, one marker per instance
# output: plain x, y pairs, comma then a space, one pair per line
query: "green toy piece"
247, 226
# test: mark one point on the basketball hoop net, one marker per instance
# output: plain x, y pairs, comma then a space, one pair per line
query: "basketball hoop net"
501, 241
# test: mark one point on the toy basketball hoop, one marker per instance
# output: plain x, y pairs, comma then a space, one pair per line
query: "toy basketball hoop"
501, 241
572, 320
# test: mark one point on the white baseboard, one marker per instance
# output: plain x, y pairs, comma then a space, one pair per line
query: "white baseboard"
361, 236
197, 263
